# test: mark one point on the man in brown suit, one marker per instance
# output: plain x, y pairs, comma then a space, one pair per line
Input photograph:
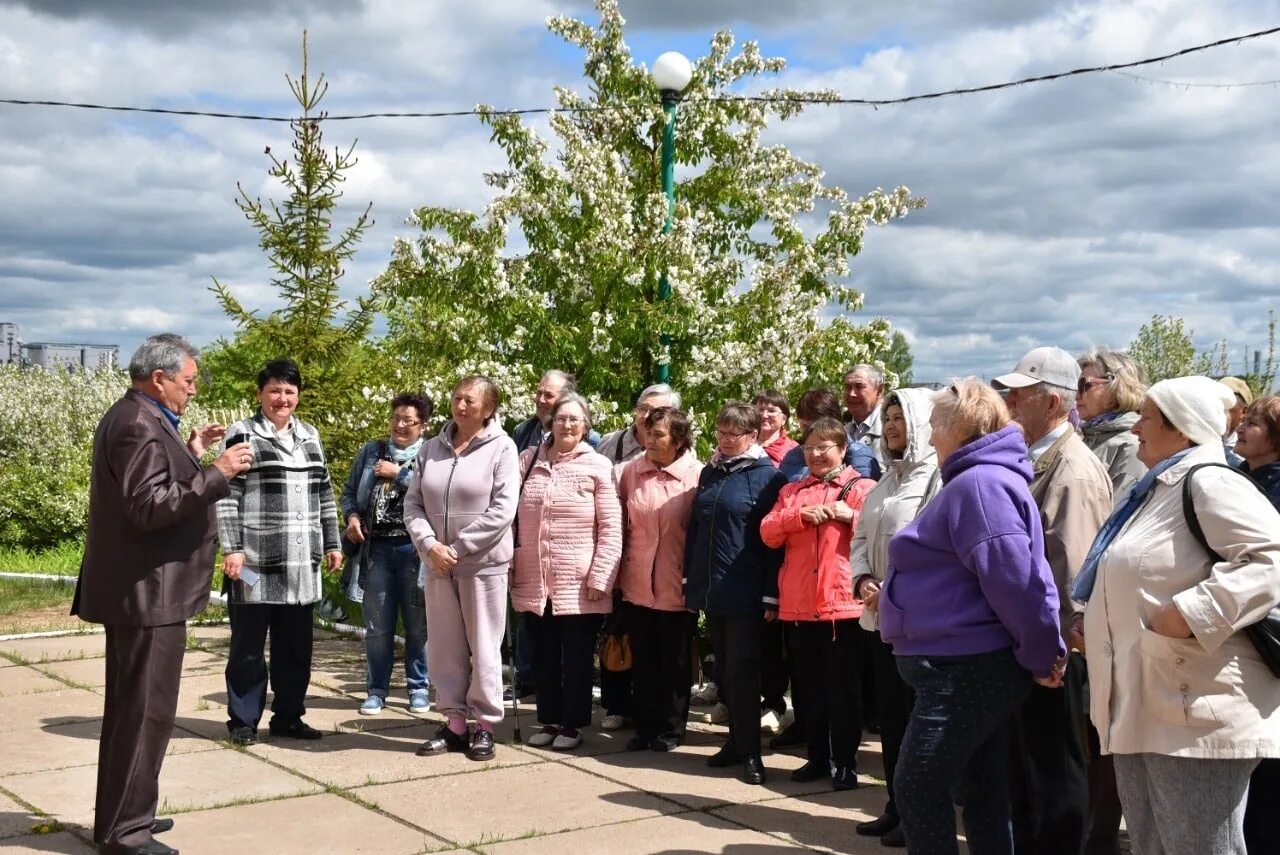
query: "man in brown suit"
147, 566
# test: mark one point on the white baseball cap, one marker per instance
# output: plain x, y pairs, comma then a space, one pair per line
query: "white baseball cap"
1051, 365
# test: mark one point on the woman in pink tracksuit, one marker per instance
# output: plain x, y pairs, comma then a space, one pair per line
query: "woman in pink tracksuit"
569, 540
657, 491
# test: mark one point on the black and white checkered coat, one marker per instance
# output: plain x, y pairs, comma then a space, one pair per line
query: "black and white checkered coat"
281, 514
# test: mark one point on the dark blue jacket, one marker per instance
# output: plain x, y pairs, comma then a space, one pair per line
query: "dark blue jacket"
857, 455
728, 570
1268, 478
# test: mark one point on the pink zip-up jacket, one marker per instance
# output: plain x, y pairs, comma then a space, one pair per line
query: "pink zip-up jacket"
570, 533
656, 503
815, 582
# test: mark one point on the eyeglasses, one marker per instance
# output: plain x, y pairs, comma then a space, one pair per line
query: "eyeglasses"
405, 422
770, 411
732, 434
567, 421
1087, 383
818, 449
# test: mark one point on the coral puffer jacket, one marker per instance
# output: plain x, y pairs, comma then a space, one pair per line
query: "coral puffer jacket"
815, 582
656, 504
569, 526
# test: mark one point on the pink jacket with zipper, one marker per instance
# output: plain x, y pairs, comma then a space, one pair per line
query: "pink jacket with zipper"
656, 504
569, 527
815, 582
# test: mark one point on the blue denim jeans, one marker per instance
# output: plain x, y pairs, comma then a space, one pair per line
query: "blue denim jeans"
390, 591
957, 745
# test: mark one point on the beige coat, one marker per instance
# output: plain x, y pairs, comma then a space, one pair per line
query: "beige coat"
1207, 696
1073, 492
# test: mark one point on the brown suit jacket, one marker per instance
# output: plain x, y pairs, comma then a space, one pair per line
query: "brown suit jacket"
149, 554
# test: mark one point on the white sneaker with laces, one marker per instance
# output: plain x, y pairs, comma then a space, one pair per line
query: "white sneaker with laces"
613, 722
565, 742
544, 737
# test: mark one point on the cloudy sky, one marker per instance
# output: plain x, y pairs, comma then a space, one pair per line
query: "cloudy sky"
1064, 213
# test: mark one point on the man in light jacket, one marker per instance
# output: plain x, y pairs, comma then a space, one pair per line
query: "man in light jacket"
1073, 492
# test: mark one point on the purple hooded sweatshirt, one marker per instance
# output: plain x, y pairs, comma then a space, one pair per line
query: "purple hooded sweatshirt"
969, 575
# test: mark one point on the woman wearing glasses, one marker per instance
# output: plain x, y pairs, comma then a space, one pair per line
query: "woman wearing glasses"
1110, 395
384, 570
569, 541
732, 576
814, 519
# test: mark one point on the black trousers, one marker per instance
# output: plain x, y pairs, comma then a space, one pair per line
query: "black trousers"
144, 667
661, 669
1049, 785
736, 641
775, 668
248, 670
564, 654
1262, 810
893, 706
829, 657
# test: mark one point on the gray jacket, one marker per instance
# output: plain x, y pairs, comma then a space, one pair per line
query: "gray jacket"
1116, 446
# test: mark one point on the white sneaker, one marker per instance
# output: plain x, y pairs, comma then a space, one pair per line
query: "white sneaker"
770, 723
716, 715
544, 737
704, 695
564, 742
613, 722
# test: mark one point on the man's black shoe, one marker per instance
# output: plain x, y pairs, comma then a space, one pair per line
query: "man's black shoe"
444, 740
160, 826
793, 735
244, 735
664, 743
638, 743
753, 770
844, 778
724, 758
877, 827
811, 771
481, 745
295, 729
151, 847
895, 838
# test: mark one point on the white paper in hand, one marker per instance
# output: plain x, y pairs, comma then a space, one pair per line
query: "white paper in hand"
249, 577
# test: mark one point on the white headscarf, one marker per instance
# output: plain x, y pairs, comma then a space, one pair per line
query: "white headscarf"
1197, 406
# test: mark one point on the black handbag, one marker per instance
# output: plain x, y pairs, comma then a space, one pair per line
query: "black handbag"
1265, 634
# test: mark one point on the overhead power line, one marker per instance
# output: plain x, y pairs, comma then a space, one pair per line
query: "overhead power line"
526, 111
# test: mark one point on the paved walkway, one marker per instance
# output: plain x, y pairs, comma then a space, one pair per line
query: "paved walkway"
362, 789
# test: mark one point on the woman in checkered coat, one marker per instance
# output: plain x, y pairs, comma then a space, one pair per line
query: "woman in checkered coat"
277, 529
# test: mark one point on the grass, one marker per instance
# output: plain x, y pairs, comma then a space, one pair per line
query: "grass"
63, 559
35, 606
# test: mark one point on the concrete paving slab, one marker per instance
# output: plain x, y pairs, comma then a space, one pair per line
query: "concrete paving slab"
93, 672
518, 801
24, 680
214, 636
75, 744
682, 833
375, 757
61, 842
55, 648
24, 712
683, 776
823, 821
16, 820
306, 825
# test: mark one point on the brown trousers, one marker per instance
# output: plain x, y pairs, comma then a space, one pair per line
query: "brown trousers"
144, 667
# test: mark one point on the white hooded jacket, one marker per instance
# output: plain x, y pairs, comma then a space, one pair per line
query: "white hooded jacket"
908, 483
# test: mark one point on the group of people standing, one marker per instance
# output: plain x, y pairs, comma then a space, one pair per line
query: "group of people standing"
1050, 608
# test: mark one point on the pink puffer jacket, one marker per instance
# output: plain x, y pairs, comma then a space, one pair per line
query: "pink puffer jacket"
569, 526
656, 504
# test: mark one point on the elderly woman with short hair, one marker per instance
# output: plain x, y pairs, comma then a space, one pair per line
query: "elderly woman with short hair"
970, 607
1179, 695
774, 412
458, 512
1108, 398
657, 497
732, 576
569, 541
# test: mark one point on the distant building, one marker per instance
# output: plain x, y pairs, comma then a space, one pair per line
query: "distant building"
53, 354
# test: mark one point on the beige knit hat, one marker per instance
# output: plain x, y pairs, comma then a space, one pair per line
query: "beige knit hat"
1197, 406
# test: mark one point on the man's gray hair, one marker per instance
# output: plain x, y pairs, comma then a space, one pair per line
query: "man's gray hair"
1067, 396
569, 383
673, 397
875, 375
165, 352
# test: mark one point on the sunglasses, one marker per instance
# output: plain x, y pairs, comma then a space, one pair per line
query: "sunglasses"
1087, 383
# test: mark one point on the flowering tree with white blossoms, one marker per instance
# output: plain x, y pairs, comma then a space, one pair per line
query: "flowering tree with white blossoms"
757, 257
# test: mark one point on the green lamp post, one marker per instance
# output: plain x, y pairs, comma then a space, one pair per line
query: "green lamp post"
672, 72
